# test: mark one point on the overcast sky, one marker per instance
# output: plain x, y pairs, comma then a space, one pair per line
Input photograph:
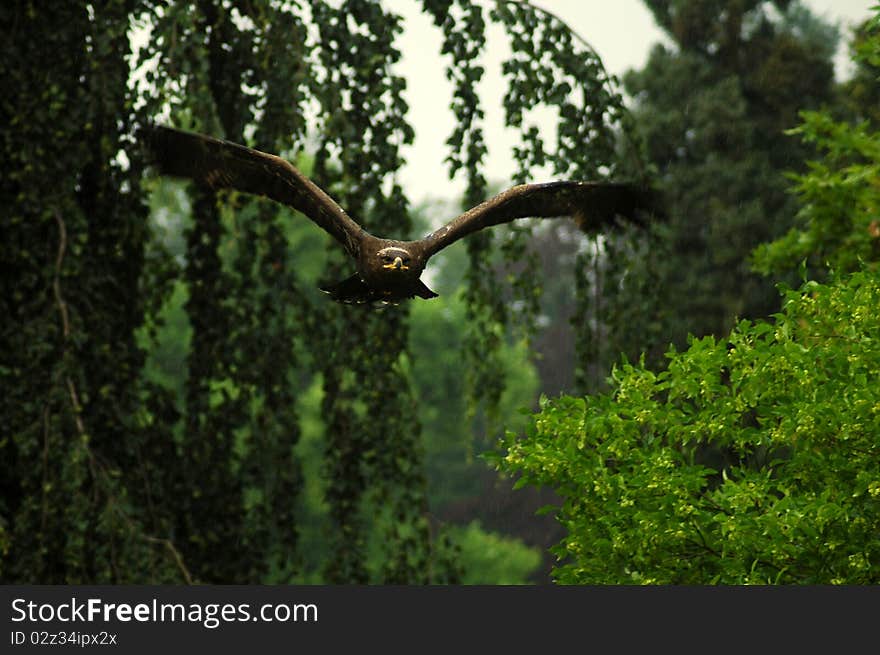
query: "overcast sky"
621, 31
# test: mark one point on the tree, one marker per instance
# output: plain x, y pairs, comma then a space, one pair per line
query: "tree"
838, 223
751, 458
861, 93
712, 109
120, 468
77, 418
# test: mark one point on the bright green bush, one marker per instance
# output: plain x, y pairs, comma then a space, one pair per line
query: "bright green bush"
751, 459
492, 558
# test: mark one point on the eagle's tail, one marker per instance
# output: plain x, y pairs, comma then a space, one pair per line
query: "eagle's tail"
351, 290
354, 290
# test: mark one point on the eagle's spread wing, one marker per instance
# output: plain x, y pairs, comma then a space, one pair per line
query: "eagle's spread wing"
591, 204
220, 164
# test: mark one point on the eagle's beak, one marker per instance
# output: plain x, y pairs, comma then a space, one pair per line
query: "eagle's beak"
397, 264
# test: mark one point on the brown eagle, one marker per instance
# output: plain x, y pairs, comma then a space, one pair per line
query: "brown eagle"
388, 270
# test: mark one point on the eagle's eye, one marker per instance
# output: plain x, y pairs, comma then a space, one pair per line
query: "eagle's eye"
387, 259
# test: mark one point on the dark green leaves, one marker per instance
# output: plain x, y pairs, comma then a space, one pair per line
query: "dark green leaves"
154, 367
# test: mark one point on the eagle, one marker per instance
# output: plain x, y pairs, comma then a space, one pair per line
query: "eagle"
387, 270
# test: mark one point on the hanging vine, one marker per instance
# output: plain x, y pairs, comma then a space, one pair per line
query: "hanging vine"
239, 71
552, 66
112, 476
373, 448
464, 39
73, 232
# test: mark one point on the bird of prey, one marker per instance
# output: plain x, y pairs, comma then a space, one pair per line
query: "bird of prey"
388, 270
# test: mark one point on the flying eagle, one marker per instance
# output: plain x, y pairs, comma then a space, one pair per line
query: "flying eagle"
388, 270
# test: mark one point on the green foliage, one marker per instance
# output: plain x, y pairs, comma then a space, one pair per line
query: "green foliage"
550, 66
216, 71
463, 26
839, 220
454, 438
553, 66
748, 459
157, 367
861, 93
712, 108
77, 419
372, 449
490, 558
751, 459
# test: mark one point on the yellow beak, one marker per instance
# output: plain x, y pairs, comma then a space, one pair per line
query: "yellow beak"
397, 265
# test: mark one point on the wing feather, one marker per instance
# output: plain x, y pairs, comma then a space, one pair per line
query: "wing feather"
220, 164
591, 204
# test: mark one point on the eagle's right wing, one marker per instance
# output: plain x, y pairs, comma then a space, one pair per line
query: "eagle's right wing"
220, 164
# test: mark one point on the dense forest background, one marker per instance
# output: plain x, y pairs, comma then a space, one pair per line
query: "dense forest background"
696, 401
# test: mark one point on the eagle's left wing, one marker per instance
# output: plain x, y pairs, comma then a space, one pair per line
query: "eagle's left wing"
591, 204
220, 164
